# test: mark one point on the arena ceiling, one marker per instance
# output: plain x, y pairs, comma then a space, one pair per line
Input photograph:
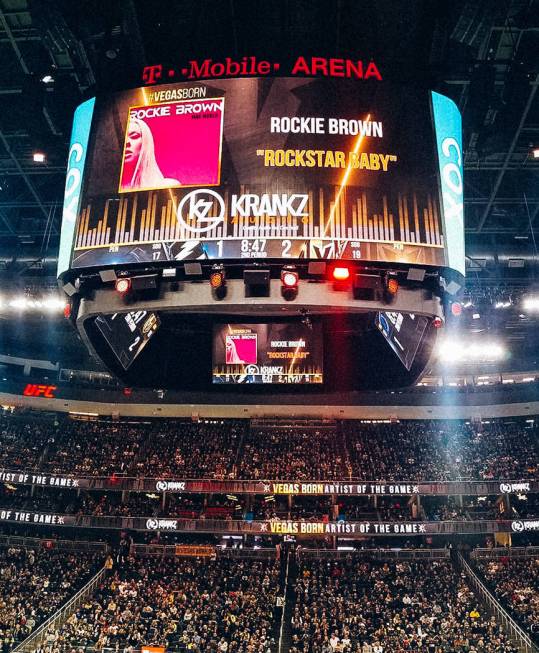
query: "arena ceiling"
482, 53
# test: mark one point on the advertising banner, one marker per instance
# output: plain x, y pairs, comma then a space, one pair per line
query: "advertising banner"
327, 488
349, 529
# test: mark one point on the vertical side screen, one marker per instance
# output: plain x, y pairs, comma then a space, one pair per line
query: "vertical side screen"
78, 147
448, 131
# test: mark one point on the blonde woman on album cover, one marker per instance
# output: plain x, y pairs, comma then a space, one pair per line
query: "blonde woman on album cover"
141, 170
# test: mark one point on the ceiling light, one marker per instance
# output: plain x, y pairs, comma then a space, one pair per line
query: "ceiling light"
39, 157
530, 303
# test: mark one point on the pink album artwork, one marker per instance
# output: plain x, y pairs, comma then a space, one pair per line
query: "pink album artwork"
241, 349
172, 145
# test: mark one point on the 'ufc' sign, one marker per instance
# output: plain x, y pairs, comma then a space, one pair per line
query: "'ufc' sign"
37, 390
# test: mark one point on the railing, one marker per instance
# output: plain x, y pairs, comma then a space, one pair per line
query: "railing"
61, 615
65, 545
251, 554
502, 552
378, 554
521, 638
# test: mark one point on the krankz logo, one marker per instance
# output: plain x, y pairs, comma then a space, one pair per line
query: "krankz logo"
161, 524
197, 215
521, 526
197, 205
507, 488
163, 486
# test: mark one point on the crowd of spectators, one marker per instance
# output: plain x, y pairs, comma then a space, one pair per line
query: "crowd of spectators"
362, 605
195, 604
192, 450
515, 582
89, 448
430, 451
33, 585
293, 453
23, 442
215, 449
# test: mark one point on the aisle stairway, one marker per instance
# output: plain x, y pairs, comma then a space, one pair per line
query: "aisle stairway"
285, 639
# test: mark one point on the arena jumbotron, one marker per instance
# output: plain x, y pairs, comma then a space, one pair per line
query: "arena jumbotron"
269, 327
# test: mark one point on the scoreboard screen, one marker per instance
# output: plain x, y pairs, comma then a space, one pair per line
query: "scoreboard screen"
403, 332
267, 353
280, 168
128, 333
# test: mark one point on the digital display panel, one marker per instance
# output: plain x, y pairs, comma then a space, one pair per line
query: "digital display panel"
128, 333
273, 168
404, 332
267, 353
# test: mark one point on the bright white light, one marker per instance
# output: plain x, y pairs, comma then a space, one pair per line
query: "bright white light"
528, 379
47, 79
457, 352
53, 303
20, 303
531, 303
39, 157
508, 380
28, 303
476, 316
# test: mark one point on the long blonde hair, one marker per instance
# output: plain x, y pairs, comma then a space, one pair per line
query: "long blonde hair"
147, 173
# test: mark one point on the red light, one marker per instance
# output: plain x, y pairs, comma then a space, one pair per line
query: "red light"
456, 309
289, 278
437, 323
341, 274
123, 285
67, 311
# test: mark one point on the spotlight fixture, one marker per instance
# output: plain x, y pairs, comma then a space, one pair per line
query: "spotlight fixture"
218, 281
289, 282
391, 288
123, 285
